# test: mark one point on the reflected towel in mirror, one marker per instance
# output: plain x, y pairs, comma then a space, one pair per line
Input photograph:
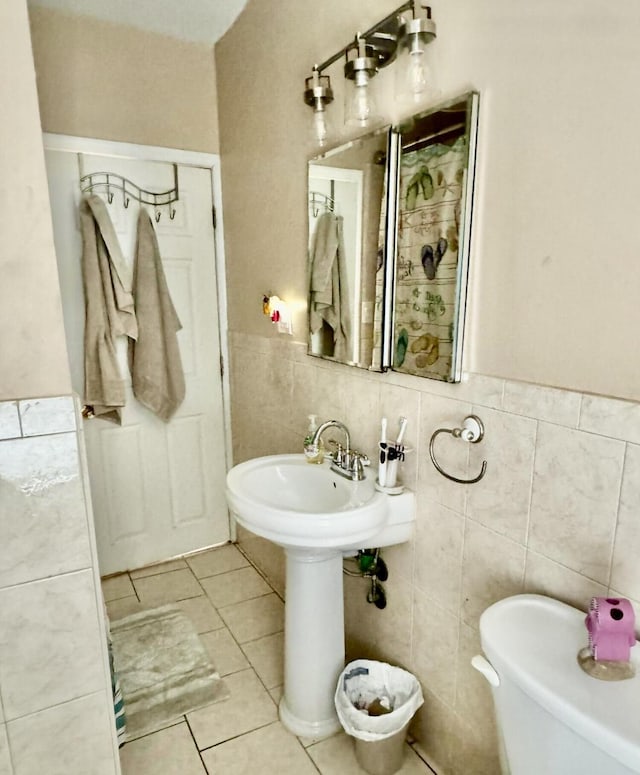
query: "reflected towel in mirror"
328, 293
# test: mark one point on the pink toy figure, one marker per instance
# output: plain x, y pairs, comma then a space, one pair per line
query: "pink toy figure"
611, 626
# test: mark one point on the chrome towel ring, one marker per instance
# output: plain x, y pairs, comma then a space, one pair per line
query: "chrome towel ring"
472, 431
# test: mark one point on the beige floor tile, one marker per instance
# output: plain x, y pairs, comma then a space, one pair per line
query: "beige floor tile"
336, 756
214, 561
254, 619
224, 651
249, 707
123, 606
266, 656
269, 751
167, 587
202, 614
117, 586
168, 752
276, 693
235, 586
161, 567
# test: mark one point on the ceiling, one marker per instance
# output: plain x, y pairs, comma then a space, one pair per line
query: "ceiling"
201, 21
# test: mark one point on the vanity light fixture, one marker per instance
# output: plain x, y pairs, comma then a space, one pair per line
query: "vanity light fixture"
398, 33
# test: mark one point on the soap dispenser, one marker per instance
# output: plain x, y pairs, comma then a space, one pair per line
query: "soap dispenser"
313, 452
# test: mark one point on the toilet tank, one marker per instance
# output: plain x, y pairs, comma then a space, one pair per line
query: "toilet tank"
554, 719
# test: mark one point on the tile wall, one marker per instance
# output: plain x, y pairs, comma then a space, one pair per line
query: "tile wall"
55, 692
557, 513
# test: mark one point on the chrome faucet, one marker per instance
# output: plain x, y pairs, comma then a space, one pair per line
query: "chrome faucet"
344, 460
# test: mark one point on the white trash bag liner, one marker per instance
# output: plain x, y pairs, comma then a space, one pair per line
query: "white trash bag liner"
365, 681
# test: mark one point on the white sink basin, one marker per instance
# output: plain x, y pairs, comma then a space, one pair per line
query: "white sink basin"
295, 504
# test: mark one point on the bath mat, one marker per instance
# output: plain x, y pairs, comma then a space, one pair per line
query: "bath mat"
163, 667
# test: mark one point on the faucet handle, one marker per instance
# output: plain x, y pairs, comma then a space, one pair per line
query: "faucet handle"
338, 455
356, 467
363, 458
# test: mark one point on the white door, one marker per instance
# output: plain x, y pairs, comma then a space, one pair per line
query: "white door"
157, 488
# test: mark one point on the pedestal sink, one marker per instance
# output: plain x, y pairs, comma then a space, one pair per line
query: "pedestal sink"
318, 517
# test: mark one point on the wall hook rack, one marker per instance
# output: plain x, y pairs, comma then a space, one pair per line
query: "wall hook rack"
108, 182
472, 431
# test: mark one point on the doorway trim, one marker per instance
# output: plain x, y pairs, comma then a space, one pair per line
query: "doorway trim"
208, 161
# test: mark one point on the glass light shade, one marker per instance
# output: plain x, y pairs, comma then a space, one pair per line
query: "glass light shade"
360, 106
318, 95
321, 126
415, 76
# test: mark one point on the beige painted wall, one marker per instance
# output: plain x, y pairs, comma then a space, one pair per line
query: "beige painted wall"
555, 268
97, 79
32, 344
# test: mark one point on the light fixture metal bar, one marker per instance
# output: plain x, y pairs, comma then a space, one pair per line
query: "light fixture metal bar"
409, 5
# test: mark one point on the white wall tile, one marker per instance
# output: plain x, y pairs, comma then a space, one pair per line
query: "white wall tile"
44, 527
625, 571
546, 577
5, 759
372, 633
362, 402
611, 417
9, 420
542, 403
434, 726
473, 693
71, 739
50, 648
575, 498
438, 550
434, 646
500, 500
493, 568
40, 416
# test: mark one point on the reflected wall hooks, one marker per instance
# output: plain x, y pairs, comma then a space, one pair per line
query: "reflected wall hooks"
472, 431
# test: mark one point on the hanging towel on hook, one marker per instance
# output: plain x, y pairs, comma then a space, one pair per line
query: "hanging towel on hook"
156, 368
109, 309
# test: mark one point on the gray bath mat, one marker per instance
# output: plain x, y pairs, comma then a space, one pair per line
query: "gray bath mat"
163, 667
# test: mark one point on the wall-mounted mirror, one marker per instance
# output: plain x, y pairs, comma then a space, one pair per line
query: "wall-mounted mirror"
345, 198
389, 234
433, 207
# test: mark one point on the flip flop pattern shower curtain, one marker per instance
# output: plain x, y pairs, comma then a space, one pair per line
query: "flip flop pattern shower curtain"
431, 181
430, 191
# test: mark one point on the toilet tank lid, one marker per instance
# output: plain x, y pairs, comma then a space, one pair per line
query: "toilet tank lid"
533, 641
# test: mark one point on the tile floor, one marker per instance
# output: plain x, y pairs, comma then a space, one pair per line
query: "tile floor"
240, 620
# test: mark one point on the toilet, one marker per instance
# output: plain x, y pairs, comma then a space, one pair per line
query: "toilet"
553, 718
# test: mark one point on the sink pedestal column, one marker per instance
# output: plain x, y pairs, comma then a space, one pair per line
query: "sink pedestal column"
314, 641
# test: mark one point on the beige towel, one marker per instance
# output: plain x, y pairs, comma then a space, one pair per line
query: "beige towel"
329, 298
109, 311
156, 368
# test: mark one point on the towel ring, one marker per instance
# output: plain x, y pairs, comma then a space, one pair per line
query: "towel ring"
472, 431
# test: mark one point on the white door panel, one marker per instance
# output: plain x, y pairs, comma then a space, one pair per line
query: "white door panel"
157, 488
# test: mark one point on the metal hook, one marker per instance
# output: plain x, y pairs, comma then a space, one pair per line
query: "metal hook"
158, 215
126, 200
110, 196
172, 214
472, 431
